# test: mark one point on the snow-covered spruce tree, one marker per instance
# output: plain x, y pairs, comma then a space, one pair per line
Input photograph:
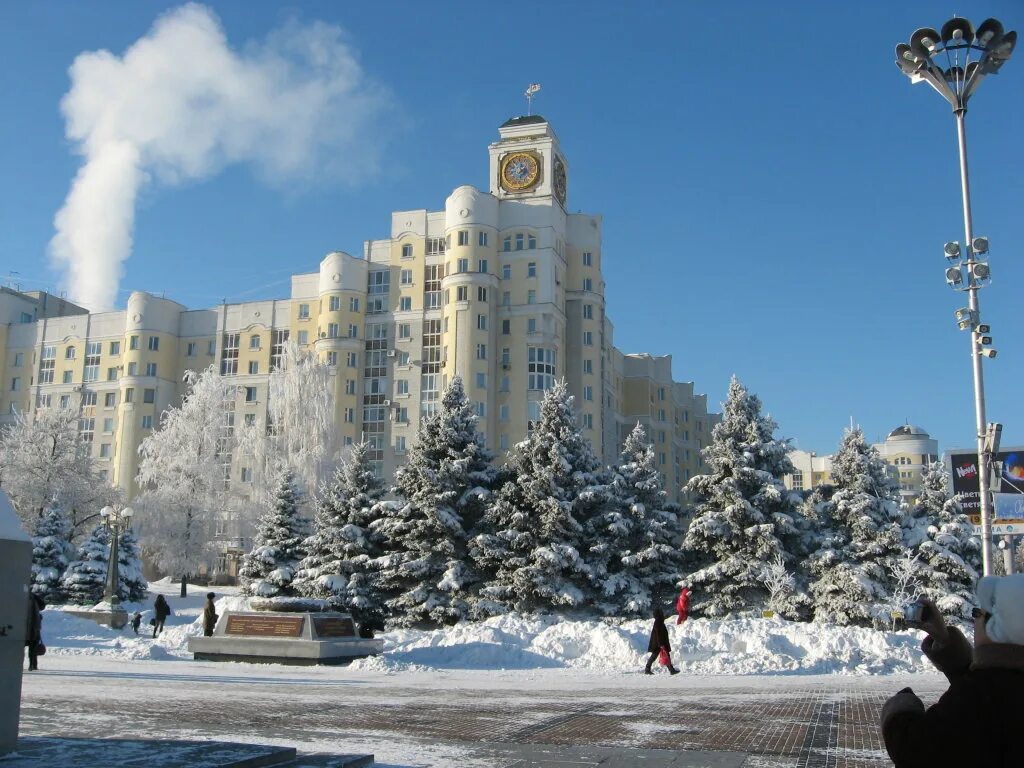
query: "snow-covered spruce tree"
638, 534
744, 517
86, 576
442, 492
42, 458
131, 584
951, 554
51, 554
338, 566
533, 549
181, 475
862, 539
299, 434
269, 569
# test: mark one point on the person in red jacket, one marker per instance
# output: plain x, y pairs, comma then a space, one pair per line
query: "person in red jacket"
683, 605
976, 721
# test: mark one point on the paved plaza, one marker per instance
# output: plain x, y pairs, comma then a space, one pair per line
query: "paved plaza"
497, 719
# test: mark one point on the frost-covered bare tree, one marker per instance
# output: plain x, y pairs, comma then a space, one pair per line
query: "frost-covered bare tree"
299, 434
42, 459
181, 474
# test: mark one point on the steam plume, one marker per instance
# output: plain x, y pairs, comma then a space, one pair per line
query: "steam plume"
180, 104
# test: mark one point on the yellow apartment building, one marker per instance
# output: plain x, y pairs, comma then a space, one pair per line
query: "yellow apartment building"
503, 288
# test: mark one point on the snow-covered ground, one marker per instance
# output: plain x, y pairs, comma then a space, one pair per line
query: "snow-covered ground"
545, 646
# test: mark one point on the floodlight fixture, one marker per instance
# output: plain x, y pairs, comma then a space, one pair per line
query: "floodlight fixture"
952, 250
988, 352
980, 272
979, 245
983, 328
953, 277
985, 340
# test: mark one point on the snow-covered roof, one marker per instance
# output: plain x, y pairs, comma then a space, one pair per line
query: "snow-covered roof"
907, 431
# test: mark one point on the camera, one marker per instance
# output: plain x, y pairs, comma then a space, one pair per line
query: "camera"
913, 613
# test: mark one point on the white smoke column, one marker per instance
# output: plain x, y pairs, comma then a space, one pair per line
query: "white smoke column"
180, 104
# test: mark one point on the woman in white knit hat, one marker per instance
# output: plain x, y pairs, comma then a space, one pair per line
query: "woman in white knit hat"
977, 722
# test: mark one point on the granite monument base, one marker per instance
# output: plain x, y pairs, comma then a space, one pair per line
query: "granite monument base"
267, 637
115, 618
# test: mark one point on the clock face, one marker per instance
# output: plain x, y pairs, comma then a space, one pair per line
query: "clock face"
519, 171
559, 179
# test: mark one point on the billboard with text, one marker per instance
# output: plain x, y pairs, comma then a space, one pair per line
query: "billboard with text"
1007, 490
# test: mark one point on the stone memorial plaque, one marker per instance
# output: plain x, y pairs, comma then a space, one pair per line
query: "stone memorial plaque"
334, 626
265, 626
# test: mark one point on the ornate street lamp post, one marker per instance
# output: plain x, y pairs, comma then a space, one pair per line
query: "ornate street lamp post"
954, 61
116, 522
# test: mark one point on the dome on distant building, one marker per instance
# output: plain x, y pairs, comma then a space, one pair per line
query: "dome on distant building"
907, 431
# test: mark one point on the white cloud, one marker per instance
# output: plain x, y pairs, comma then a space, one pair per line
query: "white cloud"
180, 104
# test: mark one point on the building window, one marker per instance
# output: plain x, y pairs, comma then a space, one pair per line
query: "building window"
405, 330
531, 325
133, 342
506, 357
462, 293
531, 242
481, 351
350, 386
211, 347
588, 392
151, 369
108, 425
506, 272
229, 355
481, 322
154, 343
402, 387
661, 458
506, 327
133, 368
402, 415
588, 259
540, 368
481, 380
481, 293
254, 367
93, 350
481, 410
333, 330
334, 304
531, 269
588, 284
149, 396
66, 378
400, 444
520, 241
588, 311
588, 420
481, 265
506, 243
110, 399
303, 311
353, 331
503, 441
531, 297
435, 246
279, 341
16, 384
588, 366
190, 349
588, 338
462, 265
505, 384
69, 353
47, 363
406, 277
250, 394
463, 237
407, 251
506, 298
115, 348
303, 338
352, 359
405, 303
147, 422
331, 358
254, 341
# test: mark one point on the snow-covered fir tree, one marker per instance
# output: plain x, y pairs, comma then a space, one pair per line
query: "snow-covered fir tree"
639, 534
132, 585
269, 569
339, 564
534, 549
181, 474
744, 518
951, 553
442, 492
86, 576
861, 538
51, 553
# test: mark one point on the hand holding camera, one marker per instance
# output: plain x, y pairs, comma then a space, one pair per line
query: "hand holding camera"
923, 614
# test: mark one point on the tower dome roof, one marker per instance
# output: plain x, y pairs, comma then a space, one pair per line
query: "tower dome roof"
907, 431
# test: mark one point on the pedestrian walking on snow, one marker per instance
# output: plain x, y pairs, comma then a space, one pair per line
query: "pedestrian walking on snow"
209, 615
161, 610
659, 645
136, 620
683, 605
34, 631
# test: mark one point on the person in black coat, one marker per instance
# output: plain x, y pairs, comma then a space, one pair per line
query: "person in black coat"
659, 641
161, 610
975, 722
34, 630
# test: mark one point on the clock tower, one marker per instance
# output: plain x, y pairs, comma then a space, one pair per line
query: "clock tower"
527, 163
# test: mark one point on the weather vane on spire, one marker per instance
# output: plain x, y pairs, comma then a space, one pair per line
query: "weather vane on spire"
531, 91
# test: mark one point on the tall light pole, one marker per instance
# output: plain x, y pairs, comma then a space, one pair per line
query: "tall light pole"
116, 522
954, 61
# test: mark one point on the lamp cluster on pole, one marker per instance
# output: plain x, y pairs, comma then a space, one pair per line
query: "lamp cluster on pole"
954, 61
117, 522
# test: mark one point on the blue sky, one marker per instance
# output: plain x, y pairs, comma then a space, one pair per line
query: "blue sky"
775, 193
